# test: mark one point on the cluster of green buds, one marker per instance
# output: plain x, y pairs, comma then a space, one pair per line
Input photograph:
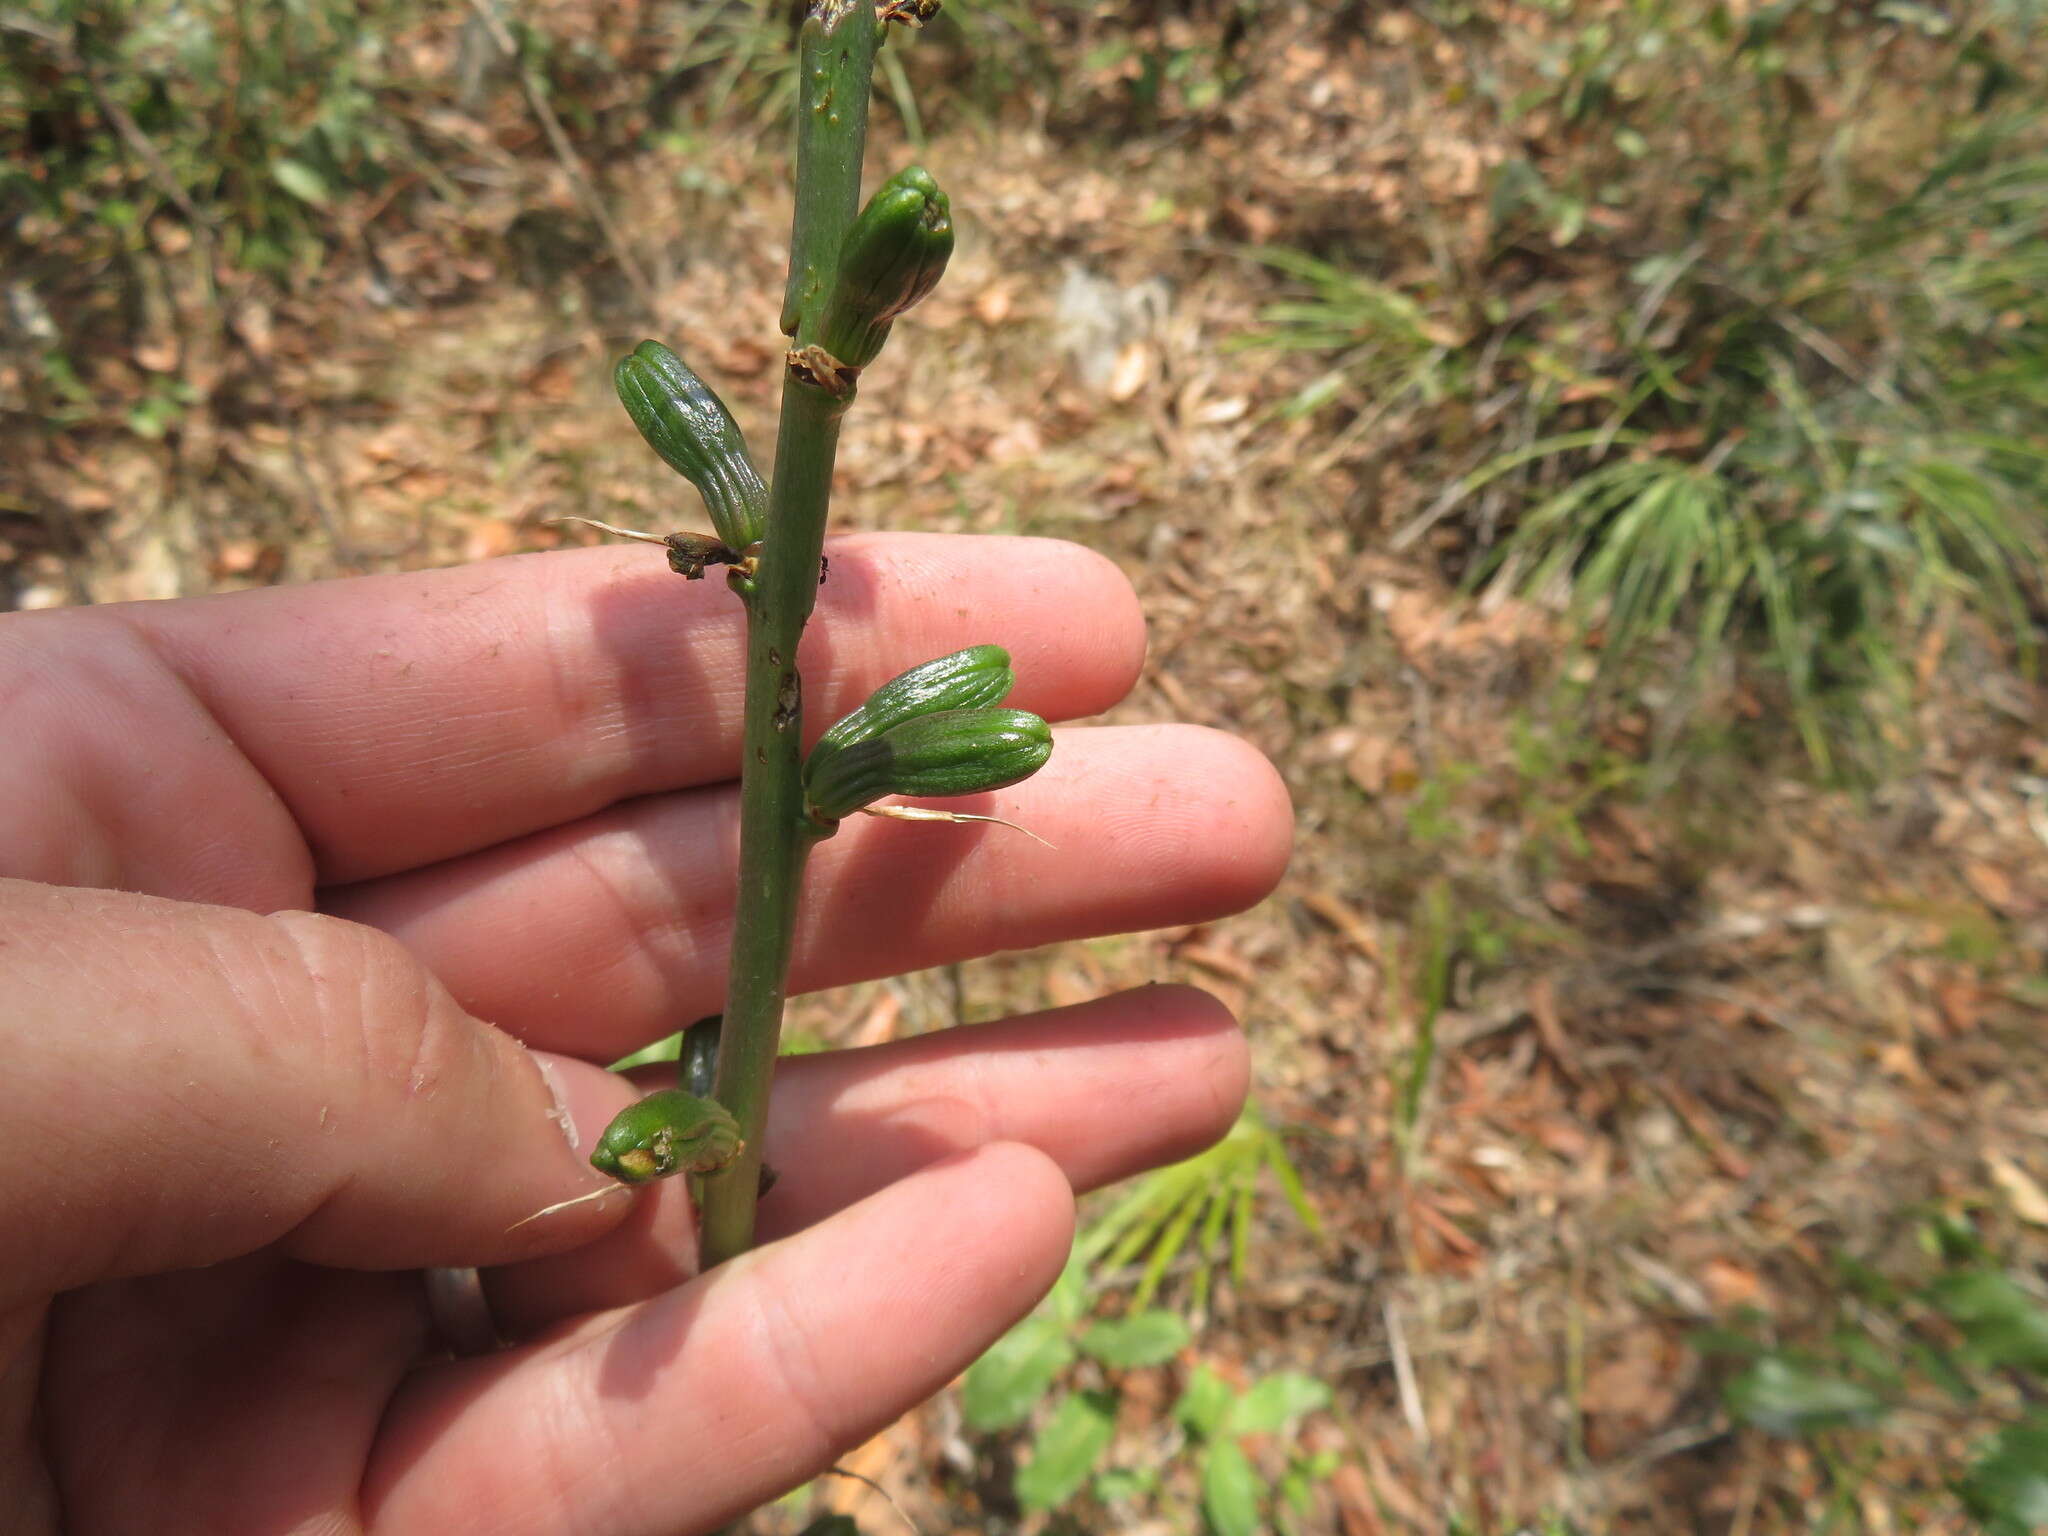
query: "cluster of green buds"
936, 730
893, 257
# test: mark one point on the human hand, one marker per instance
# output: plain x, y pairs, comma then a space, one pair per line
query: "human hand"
228, 1140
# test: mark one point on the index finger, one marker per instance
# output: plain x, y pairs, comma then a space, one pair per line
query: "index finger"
404, 719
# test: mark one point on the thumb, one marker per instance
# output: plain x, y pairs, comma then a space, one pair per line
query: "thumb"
186, 1083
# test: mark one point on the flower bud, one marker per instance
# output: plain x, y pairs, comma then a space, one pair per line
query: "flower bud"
893, 256
695, 435
951, 752
664, 1133
975, 678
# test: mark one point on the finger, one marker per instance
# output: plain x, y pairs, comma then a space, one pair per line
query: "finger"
1105, 1089
186, 1084
351, 728
686, 1411
1150, 825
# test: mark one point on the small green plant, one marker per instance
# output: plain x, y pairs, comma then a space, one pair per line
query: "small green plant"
1067, 1453
1193, 1206
1382, 344
1236, 1499
1024, 1367
1967, 1343
1189, 1208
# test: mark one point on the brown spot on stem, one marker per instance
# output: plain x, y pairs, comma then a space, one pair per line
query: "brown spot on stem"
815, 366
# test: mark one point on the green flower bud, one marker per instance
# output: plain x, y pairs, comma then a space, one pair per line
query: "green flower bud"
893, 256
664, 1133
951, 752
975, 678
695, 435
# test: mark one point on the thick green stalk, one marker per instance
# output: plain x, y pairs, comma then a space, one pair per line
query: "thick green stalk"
836, 63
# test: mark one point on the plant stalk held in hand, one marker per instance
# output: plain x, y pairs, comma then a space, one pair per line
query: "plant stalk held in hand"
937, 729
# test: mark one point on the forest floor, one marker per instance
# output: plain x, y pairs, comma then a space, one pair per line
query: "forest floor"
1692, 1028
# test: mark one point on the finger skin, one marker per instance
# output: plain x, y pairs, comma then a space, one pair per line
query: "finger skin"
239, 1398
1150, 826
673, 1416
236, 749
186, 1084
1106, 1089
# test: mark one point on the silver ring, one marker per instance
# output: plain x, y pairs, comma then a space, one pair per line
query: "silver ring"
460, 1310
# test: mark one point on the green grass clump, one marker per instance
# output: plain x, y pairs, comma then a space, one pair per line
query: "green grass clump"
1791, 404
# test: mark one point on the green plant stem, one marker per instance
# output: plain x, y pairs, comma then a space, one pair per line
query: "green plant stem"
836, 64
